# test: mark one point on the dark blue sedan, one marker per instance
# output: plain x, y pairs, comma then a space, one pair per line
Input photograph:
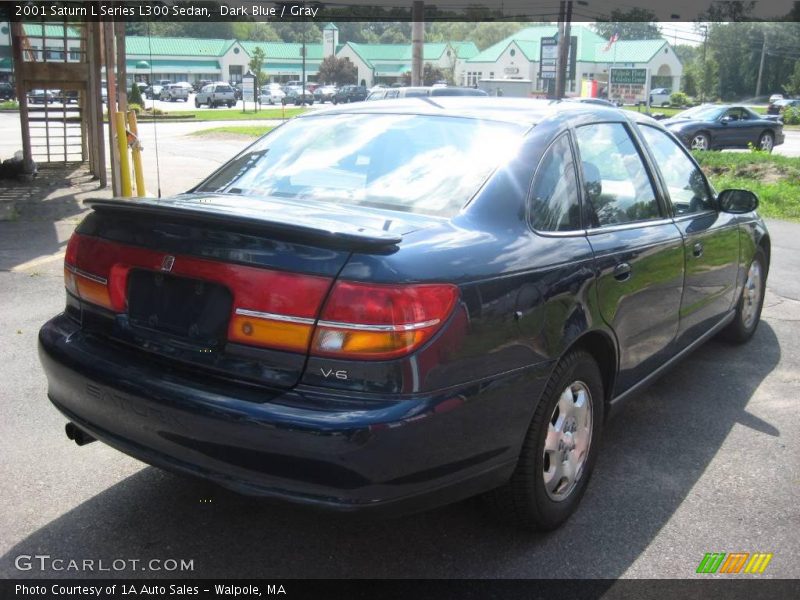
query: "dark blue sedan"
398, 305
716, 127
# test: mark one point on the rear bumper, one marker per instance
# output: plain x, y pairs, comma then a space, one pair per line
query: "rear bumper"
324, 449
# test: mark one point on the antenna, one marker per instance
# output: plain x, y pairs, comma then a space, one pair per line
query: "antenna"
155, 117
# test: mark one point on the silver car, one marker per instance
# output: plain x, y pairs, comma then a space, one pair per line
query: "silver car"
216, 94
271, 94
176, 91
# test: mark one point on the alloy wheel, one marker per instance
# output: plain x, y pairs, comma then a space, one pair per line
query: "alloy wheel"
752, 295
699, 142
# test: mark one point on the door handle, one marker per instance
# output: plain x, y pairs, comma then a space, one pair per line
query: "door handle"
622, 272
697, 250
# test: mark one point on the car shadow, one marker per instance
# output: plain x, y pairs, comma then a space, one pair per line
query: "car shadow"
654, 451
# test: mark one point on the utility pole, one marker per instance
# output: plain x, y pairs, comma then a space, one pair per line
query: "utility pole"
705, 43
564, 19
417, 37
761, 64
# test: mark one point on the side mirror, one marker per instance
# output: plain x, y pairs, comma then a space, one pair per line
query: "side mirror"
737, 201
726, 120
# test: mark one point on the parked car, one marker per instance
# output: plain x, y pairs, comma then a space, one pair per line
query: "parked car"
660, 97
454, 90
40, 96
775, 97
297, 96
200, 84
7, 91
597, 101
271, 94
324, 93
410, 92
214, 95
176, 91
154, 91
387, 310
779, 106
715, 127
349, 93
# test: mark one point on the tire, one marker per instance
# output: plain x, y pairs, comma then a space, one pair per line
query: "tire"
700, 141
230, 104
766, 141
533, 498
751, 301
197, 103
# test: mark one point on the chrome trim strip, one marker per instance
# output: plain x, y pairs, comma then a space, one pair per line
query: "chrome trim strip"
86, 274
245, 312
360, 327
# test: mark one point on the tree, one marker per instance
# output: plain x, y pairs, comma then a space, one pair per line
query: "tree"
792, 86
255, 65
337, 70
430, 75
135, 95
633, 24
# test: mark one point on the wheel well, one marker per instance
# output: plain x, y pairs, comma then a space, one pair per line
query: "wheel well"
602, 349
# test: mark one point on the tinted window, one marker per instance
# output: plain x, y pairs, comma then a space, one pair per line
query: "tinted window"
618, 187
554, 195
685, 183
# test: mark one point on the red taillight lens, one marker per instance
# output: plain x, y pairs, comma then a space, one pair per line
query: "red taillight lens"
381, 321
86, 272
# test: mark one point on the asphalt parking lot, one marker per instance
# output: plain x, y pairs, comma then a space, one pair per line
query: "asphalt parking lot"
706, 460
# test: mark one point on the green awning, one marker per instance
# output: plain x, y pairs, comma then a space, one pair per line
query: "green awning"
395, 70
175, 66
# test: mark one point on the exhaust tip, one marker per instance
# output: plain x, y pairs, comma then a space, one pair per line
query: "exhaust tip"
78, 435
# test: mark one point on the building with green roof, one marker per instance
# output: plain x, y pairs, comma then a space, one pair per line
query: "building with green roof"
517, 57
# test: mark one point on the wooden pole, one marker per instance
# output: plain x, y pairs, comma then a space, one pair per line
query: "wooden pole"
95, 106
122, 68
111, 81
417, 41
17, 37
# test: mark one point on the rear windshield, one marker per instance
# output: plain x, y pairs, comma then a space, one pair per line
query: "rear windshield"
416, 163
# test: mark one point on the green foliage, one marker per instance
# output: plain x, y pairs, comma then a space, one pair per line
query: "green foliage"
792, 85
678, 99
339, 71
248, 130
633, 24
791, 116
135, 95
136, 107
256, 64
9, 105
774, 178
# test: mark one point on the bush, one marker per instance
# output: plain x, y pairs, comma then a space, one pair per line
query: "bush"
135, 107
135, 95
791, 116
679, 99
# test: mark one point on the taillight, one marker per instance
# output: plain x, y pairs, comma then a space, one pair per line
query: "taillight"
86, 273
370, 321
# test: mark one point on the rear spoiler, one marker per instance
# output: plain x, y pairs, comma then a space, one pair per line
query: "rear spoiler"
309, 227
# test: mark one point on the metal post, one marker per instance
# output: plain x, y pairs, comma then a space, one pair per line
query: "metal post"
136, 153
417, 41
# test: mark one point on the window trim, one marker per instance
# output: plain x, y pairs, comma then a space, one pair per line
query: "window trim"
662, 184
644, 156
529, 196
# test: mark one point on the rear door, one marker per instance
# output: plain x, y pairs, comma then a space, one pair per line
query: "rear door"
711, 237
638, 249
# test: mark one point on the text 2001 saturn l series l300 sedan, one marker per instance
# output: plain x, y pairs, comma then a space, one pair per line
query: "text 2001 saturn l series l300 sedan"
392, 306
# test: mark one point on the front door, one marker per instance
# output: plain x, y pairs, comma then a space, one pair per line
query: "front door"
638, 250
711, 238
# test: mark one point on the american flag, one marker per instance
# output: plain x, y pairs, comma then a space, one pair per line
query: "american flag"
614, 37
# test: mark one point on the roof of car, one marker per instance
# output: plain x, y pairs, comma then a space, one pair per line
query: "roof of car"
517, 110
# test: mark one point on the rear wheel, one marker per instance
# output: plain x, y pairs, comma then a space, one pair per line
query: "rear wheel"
559, 450
766, 141
748, 309
700, 141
